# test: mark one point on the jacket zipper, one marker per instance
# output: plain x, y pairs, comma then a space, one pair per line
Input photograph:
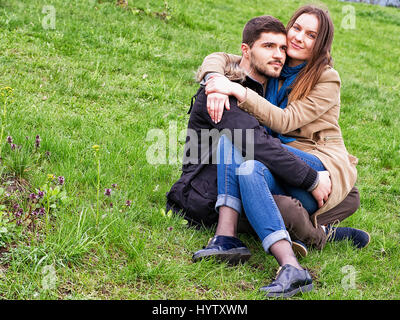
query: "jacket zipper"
332, 138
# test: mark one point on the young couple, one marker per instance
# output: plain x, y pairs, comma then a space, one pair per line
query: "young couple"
300, 178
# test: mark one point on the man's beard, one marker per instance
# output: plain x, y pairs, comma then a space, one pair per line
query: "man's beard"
263, 69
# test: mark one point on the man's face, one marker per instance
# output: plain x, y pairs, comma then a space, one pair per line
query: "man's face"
268, 54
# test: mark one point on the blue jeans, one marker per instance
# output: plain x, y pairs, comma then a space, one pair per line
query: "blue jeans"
249, 185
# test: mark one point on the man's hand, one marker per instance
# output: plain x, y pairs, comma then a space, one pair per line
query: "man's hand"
324, 188
215, 105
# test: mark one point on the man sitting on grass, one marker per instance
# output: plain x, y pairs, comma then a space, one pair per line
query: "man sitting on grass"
195, 193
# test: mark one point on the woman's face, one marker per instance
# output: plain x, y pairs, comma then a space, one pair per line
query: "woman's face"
301, 38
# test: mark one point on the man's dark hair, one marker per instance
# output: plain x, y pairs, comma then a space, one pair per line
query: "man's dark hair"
253, 29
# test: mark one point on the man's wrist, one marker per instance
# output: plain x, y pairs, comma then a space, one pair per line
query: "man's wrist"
310, 179
315, 184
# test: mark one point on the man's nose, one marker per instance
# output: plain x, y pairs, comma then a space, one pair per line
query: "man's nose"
278, 53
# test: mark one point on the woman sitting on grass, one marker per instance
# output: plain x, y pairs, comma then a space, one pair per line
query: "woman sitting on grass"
301, 108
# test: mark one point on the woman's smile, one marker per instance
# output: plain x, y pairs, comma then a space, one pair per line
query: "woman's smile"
295, 46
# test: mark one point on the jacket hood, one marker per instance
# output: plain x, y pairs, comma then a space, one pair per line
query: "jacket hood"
233, 72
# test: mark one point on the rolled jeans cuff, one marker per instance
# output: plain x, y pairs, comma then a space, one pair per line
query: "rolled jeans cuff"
275, 237
227, 200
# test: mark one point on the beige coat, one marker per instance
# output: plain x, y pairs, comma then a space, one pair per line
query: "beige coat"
313, 121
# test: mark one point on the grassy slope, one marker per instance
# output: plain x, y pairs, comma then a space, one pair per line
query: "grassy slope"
109, 75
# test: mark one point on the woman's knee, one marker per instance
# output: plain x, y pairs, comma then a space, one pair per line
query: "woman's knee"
343, 210
354, 195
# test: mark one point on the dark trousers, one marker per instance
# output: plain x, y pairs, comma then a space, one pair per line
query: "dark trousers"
298, 223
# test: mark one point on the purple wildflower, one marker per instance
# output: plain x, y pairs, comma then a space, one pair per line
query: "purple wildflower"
41, 211
40, 194
107, 192
37, 141
19, 213
33, 196
9, 139
128, 203
13, 146
61, 180
114, 185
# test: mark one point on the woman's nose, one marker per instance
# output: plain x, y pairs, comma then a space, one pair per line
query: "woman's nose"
299, 36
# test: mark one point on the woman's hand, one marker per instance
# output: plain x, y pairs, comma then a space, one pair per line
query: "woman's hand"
216, 101
223, 85
218, 90
220, 84
215, 105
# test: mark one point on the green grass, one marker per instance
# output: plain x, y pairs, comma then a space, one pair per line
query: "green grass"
107, 75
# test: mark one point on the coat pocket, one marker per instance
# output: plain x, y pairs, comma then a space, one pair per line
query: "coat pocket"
205, 189
195, 194
201, 200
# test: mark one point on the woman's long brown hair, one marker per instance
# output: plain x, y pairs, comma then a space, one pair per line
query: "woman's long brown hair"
321, 55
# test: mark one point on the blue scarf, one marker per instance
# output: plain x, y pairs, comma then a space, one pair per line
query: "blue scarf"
280, 98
